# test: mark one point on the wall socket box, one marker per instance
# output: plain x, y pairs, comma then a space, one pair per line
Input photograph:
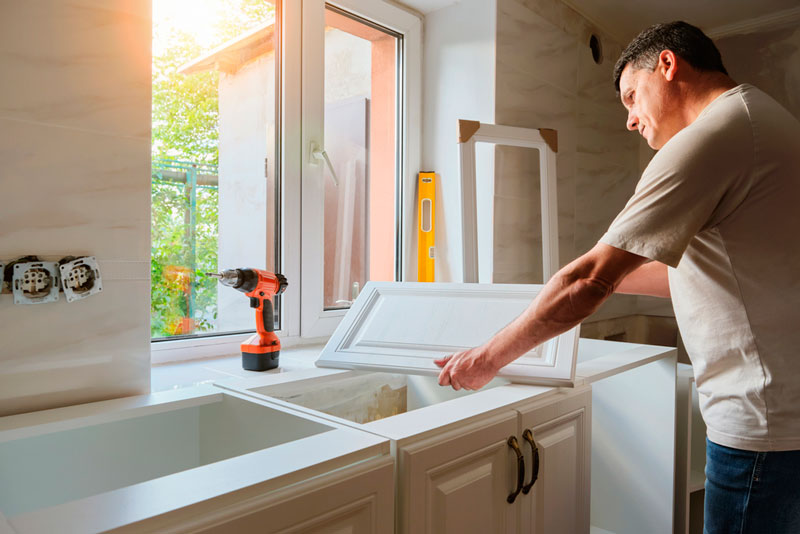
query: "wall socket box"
35, 282
80, 278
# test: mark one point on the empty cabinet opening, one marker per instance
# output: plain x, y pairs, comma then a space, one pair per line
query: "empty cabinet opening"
58, 467
363, 397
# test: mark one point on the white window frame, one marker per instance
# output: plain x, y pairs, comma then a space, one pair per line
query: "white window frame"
303, 319
315, 321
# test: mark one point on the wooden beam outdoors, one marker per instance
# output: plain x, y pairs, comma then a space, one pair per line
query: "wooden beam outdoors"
353, 27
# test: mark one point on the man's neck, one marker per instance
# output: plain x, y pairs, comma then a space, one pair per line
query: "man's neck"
701, 92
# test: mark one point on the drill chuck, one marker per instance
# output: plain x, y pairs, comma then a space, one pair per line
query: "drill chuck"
228, 277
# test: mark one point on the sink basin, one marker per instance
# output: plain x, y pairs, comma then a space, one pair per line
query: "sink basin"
130, 448
363, 396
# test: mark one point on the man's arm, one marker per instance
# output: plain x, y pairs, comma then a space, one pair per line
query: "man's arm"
649, 279
570, 296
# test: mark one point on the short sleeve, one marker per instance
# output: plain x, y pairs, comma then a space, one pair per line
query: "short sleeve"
697, 179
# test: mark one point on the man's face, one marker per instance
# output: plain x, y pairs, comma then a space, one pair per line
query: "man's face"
650, 103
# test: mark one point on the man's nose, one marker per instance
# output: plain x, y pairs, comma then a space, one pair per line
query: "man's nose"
633, 121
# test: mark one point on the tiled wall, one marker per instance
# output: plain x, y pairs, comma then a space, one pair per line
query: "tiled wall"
546, 77
75, 180
768, 59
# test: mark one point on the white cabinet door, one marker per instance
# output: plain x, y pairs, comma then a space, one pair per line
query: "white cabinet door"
403, 326
356, 500
559, 499
458, 482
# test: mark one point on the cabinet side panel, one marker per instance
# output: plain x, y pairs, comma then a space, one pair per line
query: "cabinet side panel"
633, 449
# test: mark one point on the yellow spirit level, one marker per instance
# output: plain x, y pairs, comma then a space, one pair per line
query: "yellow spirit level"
425, 241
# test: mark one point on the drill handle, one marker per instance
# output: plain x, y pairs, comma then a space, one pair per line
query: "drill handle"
265, 318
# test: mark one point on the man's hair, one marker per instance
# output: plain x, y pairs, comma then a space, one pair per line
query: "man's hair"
686, 41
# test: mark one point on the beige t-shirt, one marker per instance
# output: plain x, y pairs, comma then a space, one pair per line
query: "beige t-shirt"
720, 204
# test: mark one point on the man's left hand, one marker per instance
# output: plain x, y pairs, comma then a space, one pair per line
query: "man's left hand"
470, 369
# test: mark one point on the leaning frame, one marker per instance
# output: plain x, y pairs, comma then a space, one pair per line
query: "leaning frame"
542, 139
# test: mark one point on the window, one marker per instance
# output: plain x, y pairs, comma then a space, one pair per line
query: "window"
256, 123
358, 182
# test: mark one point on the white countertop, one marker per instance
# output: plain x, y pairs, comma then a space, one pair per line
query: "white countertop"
191, 373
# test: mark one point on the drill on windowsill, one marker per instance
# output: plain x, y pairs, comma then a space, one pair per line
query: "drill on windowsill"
260, 352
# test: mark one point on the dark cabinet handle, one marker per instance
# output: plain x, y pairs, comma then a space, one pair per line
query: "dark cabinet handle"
512, 442
527, 435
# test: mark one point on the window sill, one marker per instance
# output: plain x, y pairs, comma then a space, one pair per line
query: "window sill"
191, 373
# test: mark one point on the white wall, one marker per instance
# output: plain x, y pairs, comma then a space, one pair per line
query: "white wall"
75, 180
458, 83
246, 196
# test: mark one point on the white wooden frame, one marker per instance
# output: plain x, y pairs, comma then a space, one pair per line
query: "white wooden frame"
366, 338
544, 140
314, 320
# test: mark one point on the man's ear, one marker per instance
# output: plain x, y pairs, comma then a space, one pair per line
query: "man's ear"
667, 64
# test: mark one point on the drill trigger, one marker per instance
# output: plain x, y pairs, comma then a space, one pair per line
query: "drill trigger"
253, 302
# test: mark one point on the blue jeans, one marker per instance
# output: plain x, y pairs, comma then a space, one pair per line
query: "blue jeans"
751, 492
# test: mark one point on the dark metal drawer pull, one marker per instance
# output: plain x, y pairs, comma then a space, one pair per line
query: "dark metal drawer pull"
512, 442
527, 435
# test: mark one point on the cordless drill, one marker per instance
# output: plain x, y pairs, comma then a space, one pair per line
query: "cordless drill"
260, 351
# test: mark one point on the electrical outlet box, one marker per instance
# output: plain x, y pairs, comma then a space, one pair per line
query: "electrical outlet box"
35, 282
80, 278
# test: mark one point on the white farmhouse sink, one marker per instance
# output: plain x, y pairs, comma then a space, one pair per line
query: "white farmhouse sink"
363, 396
93, 466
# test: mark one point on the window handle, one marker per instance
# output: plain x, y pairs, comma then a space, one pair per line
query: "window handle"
318, 154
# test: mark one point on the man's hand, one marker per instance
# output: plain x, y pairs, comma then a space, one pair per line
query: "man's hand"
470, 369
570, 296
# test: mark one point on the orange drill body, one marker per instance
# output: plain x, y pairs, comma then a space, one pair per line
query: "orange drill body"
260, 351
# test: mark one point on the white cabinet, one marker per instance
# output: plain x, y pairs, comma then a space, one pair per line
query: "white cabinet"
194, 460
455, 466
356, 500
561, 430
459, 481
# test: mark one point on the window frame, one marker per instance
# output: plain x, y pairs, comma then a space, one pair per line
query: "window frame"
298, 328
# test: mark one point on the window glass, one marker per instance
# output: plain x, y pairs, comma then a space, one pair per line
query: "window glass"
215, 190
361, 74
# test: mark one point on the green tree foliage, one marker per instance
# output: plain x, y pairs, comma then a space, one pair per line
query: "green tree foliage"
186, 127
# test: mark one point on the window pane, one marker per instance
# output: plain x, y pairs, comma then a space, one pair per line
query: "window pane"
361, 66
215, 189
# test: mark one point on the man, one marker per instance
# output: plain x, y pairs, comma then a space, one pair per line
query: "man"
713, 223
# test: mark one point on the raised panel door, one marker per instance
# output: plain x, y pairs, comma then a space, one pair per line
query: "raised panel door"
459, 481
558, 501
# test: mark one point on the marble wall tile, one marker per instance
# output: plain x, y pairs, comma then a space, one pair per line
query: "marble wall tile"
566, 219
602, 130
518, 238
595, 81
67, 191
602, 189
536, 46
75, 179
527, 101
768, 59
83, 64
70, 353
